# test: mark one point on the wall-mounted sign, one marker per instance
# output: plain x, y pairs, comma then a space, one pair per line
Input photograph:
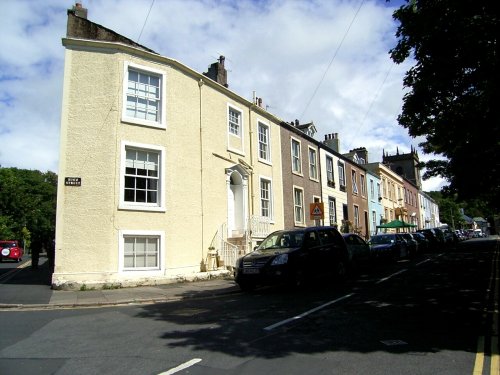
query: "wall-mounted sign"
316, 211
73, 181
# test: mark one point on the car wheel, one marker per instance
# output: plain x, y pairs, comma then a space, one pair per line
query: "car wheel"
354, 267
298, 279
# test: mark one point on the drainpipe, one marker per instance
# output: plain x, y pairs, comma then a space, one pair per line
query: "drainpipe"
200, 85
252, 197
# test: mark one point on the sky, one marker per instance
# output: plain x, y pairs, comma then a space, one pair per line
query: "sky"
325, 61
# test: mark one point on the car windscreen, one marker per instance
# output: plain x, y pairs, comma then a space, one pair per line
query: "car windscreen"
282, 240
7, 244
378, 240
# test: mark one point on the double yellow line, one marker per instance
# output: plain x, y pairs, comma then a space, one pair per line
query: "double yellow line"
491, 310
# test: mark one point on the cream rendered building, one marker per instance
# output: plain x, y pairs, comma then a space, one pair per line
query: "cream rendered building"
392, 191
164, 173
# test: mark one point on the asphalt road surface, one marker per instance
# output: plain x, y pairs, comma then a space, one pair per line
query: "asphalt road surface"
435, 314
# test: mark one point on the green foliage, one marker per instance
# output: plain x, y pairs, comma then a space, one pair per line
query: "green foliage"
453, 90
26, 237
28, 205
6, 226
450, 211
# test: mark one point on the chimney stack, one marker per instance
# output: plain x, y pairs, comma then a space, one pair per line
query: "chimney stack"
332, 140
218, 72
78, 10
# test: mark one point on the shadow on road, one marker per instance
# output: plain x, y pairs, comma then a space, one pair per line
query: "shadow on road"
27, 275
435, 305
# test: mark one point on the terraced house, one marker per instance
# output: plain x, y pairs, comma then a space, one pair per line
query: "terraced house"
160, 165
166, 173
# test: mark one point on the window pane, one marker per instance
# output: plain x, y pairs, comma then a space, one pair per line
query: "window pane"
152, 196
138, 186
129, 252
152, 252
140, 252
140, 196
143, 95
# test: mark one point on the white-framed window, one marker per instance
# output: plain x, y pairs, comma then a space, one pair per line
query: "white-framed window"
372, 189
378, 190
298, 203
329, 172
362, 182
234, 121
374, 220
264, 142
313, 164
266, 202
342, 180
354, 182
332, 211
141, 177
356, 216
141, 250
296, 159
143, 96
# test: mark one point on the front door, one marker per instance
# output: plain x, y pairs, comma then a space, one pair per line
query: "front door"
236, 204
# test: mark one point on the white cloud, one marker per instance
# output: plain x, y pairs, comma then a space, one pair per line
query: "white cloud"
297, 56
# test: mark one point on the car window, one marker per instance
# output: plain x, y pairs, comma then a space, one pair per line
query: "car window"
327, 236
331, 237
312, 239
282, 240
382, 239
357, 240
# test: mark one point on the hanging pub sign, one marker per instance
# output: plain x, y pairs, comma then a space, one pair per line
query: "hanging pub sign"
73, 181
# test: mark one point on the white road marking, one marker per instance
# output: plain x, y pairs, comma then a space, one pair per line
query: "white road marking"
181, 366
297, 317
390, 276
424, 261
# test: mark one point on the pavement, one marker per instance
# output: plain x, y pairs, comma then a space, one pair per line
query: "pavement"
18, 294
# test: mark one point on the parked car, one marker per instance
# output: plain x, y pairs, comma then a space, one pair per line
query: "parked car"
435, 242
388, 245
477, 233
358, 249
440, 236
423, 242
294, 257
451, 238
11, 249
412, 244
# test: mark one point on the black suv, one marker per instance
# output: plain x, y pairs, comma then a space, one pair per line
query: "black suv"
294, 257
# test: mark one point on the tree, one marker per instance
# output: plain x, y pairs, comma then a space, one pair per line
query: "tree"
28, 205
453, 90
449, 210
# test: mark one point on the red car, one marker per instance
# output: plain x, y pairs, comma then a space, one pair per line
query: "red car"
11, 250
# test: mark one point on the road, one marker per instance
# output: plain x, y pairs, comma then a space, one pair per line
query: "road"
435, 314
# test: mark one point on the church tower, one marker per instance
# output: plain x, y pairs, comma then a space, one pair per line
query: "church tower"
406, 165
